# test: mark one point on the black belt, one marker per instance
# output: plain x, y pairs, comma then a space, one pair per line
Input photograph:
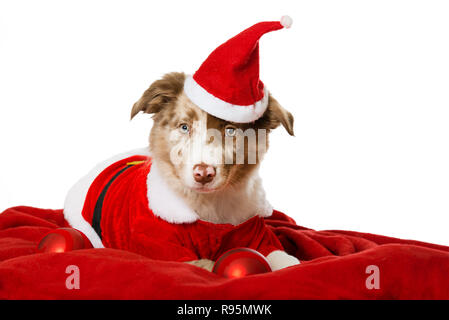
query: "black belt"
96, 219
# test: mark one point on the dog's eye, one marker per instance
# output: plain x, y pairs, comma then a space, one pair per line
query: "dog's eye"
230, 131
184, 128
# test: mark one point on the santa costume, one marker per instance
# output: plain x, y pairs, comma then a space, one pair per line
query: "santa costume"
124, 203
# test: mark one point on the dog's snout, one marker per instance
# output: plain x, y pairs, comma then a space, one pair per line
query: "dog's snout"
203, 173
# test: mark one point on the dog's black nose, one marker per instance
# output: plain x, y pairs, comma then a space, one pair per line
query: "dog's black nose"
203, 173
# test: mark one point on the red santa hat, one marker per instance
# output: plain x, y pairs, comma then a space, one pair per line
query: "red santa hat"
227, 84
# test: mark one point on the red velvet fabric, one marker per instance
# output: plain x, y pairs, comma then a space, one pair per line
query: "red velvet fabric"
127, 222
333, 267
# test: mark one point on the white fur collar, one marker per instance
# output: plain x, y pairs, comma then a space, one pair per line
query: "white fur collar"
163, 201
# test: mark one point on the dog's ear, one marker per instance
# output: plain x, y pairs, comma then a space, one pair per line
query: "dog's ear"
276, 115
160, 94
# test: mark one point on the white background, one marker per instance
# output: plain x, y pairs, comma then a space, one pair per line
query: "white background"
367, 82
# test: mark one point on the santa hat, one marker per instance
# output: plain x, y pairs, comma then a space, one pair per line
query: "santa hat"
227, 84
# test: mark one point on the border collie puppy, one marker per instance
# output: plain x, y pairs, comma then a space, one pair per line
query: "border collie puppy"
195, 192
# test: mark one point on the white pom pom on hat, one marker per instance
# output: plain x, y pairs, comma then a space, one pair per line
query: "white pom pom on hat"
286, 21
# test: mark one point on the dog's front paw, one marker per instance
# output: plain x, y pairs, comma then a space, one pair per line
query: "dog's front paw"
203, 263
280, 259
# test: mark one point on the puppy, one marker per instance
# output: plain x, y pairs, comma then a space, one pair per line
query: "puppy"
216, 191
195, 192
189, 166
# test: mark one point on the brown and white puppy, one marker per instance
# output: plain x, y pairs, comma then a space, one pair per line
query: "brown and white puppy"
218, 192
202, 167
187, 145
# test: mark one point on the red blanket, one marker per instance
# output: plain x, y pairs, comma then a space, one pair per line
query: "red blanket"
334, 265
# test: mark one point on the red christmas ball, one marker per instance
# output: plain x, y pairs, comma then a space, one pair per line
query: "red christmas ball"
63, 240
241, 262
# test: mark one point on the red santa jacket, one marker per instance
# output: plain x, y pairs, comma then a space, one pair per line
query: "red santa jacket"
117, 206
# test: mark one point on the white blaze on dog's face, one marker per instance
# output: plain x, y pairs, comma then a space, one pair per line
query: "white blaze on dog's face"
195, 149
202, 152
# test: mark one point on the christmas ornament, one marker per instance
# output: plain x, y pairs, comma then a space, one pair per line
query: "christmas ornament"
63, 240
240, 262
